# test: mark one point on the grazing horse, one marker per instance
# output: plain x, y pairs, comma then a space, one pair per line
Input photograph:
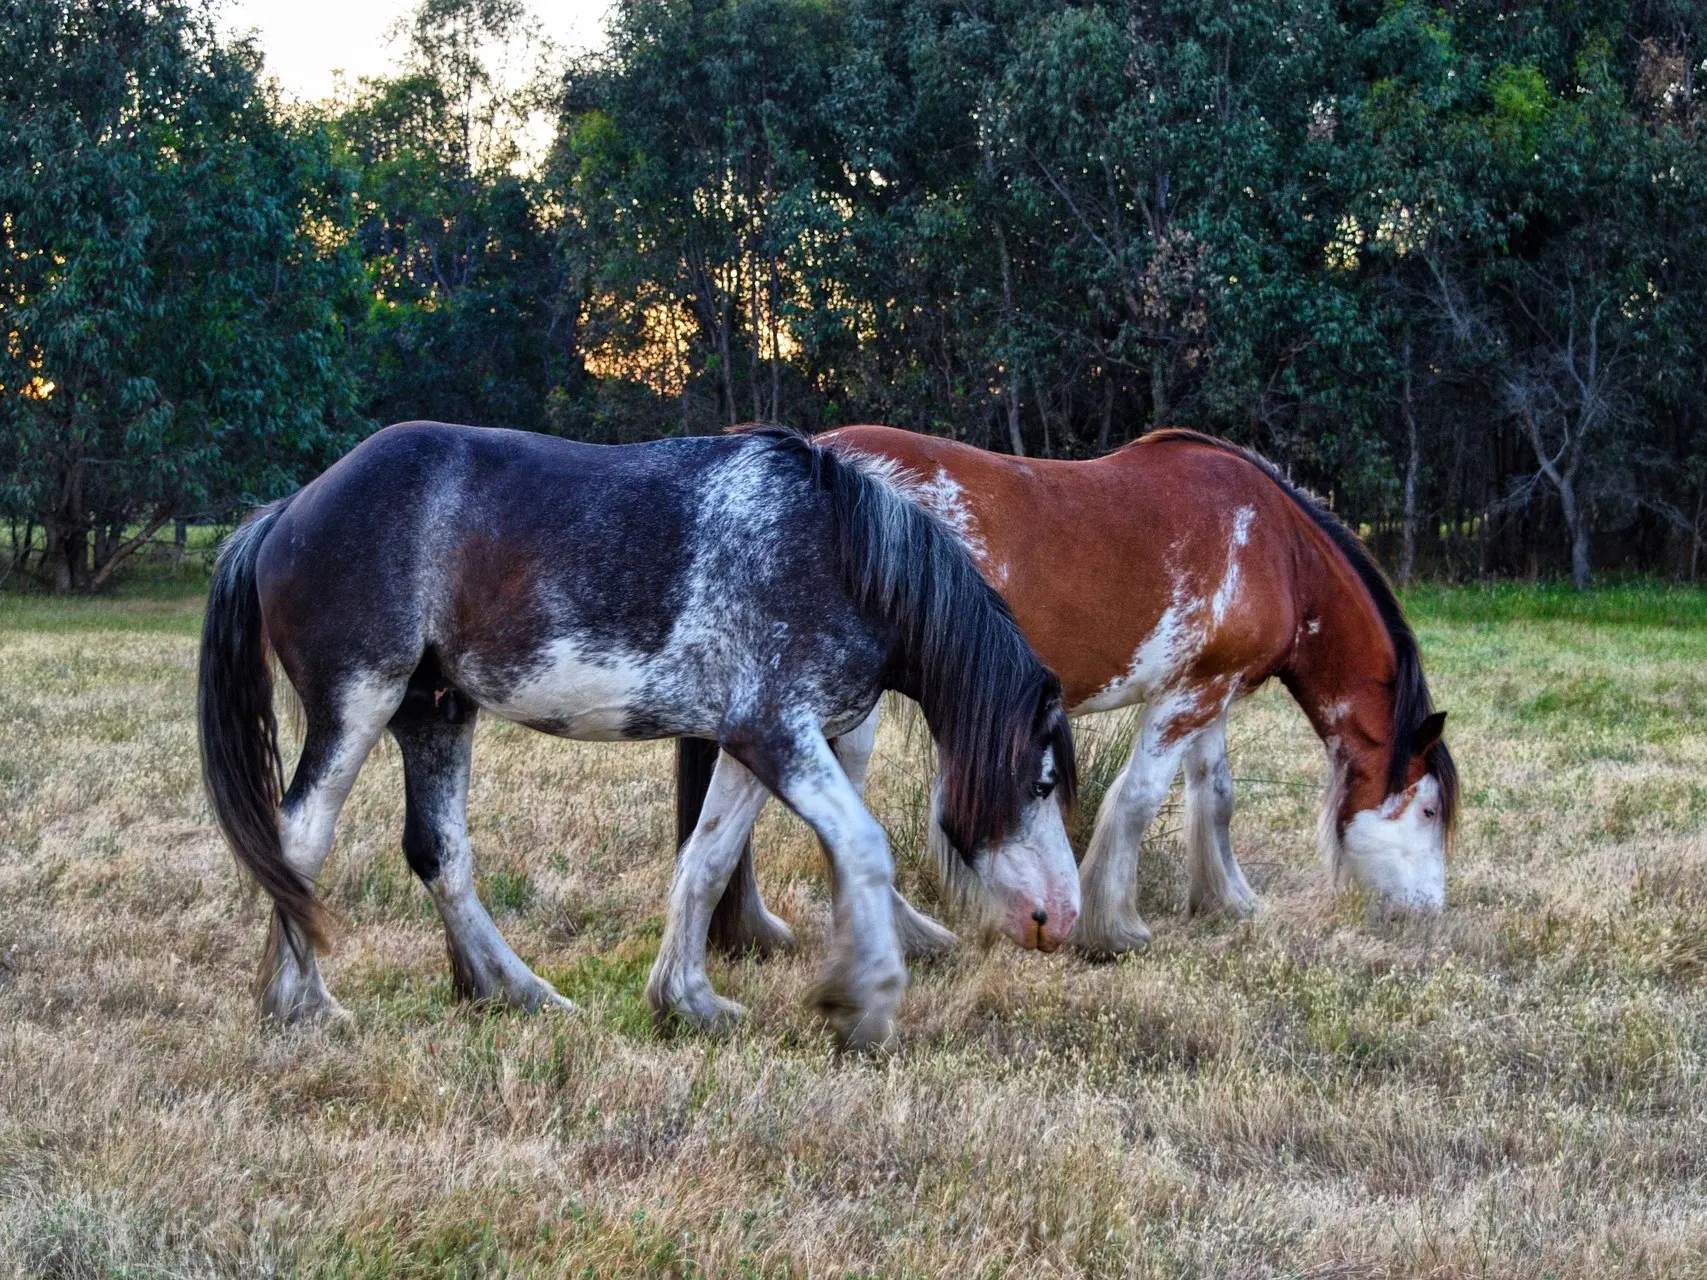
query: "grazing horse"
1181, 572
756, 590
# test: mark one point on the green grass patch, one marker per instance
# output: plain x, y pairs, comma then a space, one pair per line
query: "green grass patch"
1634, 604
172, 608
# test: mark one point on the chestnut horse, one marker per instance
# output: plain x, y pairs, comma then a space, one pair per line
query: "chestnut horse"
1181, 572
756, 590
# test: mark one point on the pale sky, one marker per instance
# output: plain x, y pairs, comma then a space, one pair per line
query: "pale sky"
305, 41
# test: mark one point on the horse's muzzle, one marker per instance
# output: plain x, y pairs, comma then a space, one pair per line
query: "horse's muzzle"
1045, 929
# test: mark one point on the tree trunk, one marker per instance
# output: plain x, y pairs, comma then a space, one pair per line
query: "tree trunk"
1576, 520
1107, 414
180, 541
728, 365
1010, 312
1408, 548
1695, 530
776, 344
1016, 442
71, 566
754, 329
122, 551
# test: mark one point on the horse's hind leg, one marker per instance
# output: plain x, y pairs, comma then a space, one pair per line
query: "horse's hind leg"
341, 731
678, 984
740, 922
435, 732
1217, 883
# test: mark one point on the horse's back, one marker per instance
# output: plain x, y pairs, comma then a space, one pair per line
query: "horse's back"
1159, 561
591, 590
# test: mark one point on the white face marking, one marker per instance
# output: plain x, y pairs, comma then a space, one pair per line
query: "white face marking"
1399, 850
1313, 626
1333, 712
1033, 871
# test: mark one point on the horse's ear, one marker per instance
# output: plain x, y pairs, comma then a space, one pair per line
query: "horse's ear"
1428, 733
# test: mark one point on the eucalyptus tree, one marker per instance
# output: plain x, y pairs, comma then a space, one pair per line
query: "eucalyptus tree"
471, 314
173, 308
698, 176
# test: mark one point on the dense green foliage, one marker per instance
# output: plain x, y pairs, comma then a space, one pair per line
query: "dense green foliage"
173, 329
1444, 262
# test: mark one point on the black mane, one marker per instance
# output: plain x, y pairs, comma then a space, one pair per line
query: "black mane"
991, 704
1412, 702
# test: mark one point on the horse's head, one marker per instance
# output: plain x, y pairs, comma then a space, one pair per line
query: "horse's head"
1397, 848
998, 828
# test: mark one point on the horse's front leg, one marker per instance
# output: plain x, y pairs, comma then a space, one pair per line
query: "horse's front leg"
920, 935
678, 984
1109, 923
861, 988
741, 922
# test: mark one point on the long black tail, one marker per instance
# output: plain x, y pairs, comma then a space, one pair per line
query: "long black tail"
696, 761
239, 733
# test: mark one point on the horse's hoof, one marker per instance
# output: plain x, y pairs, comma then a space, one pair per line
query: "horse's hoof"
324, 1012
860, 1020
554, 1000
497, 984
856, 1027
923, 938
1233, 906
1108, 942
295, 999
761, 934
707, 1011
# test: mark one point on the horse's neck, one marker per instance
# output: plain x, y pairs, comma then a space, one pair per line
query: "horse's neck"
1341, 672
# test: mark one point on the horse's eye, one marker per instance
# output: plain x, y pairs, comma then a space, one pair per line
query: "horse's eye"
1428, 812
1042, 789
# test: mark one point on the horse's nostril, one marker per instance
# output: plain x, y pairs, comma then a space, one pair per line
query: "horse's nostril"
1041, 916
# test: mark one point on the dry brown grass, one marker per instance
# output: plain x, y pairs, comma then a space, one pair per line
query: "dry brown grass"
1516, 1088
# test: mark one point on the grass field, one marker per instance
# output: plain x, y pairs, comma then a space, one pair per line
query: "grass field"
1518, 1087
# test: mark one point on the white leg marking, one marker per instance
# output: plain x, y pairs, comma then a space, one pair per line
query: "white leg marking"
920, 935
863, 981
1109, 923
296, 990
483, 966
1217, 883
678, 984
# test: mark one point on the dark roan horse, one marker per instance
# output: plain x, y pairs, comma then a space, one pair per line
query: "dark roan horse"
754, 590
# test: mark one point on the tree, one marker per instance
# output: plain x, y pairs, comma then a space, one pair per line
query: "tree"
472, 316
175, 339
